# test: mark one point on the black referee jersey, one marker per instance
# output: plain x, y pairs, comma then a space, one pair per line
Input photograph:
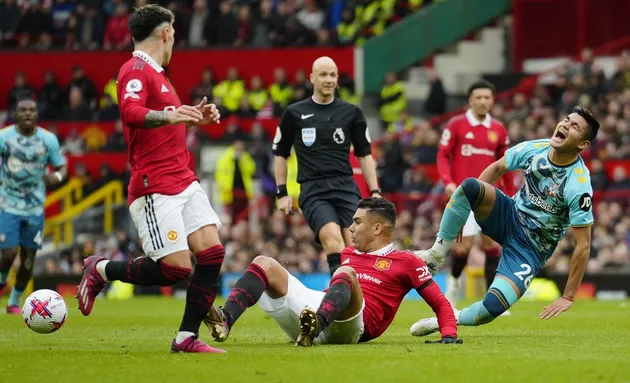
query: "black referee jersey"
322, 134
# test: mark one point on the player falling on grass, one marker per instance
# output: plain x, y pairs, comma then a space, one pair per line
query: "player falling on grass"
557, 195
363, 296
166, 202
470, 143
26, 150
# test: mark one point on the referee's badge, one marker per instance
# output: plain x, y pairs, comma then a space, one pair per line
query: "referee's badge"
339, 136
308, 136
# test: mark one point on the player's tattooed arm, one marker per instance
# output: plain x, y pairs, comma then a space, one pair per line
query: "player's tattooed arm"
155, 119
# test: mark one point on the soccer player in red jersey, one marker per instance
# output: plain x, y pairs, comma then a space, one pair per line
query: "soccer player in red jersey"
470, 143
170, 210
363, 296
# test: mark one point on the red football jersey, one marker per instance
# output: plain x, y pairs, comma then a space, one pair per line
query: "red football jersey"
385, 277
158, 157
468, 146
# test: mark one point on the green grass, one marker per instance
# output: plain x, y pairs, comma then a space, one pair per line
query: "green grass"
128, 341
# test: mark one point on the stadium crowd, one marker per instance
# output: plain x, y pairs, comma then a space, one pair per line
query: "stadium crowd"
402, 159
102, 24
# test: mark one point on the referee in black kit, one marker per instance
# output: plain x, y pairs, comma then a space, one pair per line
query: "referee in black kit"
322, 128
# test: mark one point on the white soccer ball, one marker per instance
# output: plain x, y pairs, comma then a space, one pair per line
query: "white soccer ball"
44, 311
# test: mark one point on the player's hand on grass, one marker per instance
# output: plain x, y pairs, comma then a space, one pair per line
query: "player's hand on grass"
285, 205
560, 305
185, 113
450, 189
445, 340
209, 111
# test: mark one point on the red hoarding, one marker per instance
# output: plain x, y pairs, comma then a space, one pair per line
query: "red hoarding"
184, 70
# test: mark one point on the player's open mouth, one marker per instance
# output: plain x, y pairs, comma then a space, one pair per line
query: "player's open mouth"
560, 134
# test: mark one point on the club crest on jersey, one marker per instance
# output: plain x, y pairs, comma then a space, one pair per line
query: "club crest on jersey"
308, 136
492, 137
339, 136
172, 235
382, 264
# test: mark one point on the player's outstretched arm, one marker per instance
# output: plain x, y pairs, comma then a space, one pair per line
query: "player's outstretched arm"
579, 261
493, 172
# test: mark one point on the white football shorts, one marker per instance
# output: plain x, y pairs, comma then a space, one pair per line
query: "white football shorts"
286, 312
471, 227
164, 222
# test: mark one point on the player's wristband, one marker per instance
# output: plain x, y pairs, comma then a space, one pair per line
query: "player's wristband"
59, 176
281, 191
567, 298
376, 191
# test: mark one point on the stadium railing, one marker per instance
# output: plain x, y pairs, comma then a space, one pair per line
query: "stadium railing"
110, 195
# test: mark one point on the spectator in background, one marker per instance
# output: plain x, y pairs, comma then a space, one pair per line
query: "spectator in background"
436, 101
311, 16
77, 109
9, 21
90, 26
205, 87
281, 91
105, 175
393, 165
599, 180
117, 33
231, 90
20, 90
116, 140
110, 90
243, 27
234, 174
74, 144
225, 26
50, 98
348, 29
199, 27
263, 24
108, 111
88, 90
258, 95
392, 99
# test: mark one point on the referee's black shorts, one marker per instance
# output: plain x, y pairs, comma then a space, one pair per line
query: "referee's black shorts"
329, 200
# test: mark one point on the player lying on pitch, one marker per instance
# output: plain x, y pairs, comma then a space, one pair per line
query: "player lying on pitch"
364, 293
557, 194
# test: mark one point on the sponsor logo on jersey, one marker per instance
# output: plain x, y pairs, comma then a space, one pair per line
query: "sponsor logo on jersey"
164, 89
365, 277
308, 136
382, 264
469, 136
493, 137
423, 273
540, 203
469, 150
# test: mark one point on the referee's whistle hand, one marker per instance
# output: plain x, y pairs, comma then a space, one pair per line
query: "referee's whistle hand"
285, 204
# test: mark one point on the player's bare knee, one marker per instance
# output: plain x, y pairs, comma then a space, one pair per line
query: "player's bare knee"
204, 238
180, 259
332, 244
277, 276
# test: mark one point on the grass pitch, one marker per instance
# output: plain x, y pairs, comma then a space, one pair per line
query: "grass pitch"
129, 341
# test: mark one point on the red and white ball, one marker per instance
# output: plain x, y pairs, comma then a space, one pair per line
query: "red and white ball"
44, 311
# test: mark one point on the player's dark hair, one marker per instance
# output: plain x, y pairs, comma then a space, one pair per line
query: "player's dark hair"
591, 121
381, 207
480, 84
145, 19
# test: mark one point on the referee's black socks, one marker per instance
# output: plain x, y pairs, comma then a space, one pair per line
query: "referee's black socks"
334, 261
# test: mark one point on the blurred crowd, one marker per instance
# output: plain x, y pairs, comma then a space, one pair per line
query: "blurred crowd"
234, 95
102, 24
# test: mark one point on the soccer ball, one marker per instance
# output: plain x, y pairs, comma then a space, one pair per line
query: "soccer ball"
44, 311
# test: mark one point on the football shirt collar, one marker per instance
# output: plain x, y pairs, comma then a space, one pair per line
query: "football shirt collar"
149, 60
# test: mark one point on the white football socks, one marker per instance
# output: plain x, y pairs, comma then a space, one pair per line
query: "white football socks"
441, 246
183, 335
100, 267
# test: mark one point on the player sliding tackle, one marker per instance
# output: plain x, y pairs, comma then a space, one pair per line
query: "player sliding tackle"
364, 293
557, 194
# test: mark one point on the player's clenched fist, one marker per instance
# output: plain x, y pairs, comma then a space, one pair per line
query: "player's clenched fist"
285, 204
185, 113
